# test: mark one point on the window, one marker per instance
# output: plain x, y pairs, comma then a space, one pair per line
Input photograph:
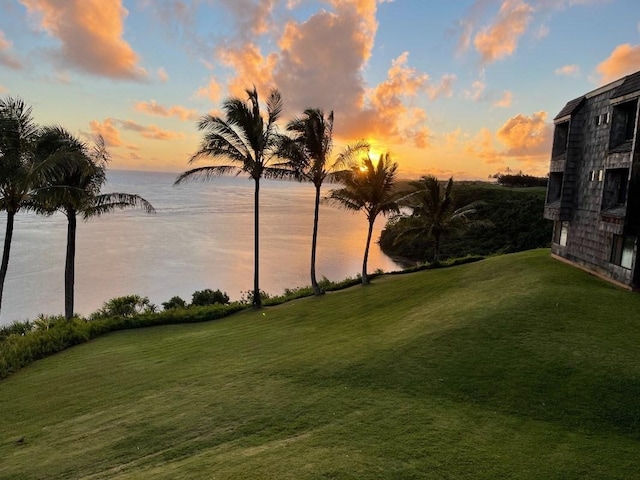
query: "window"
622, 250
560, 233
623, 124
615, 188
600, 175
592, 176
555, 187
560, 138
603, 119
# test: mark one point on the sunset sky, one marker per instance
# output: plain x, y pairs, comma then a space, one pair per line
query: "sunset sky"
461, 87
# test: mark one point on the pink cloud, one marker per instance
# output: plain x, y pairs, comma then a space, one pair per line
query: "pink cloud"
176, 111
568, 70
624, 59
152, 132
7, 58
163, 76
500, 39
90, 32
505, 100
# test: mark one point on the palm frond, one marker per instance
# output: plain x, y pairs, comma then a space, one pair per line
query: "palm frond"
206, 173
108, 202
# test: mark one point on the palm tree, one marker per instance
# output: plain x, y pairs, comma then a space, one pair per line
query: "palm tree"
370, 188
76, 192
21, 171
433, 212
249, 142
310, 150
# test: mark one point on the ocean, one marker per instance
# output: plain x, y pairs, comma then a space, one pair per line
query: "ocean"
200, 237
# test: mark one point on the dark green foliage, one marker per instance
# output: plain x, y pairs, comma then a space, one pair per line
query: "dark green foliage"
520, 180
174, 302
513, 217
126, 306
209, 297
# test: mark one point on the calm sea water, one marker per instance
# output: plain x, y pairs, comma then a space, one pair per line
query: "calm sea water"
200, 237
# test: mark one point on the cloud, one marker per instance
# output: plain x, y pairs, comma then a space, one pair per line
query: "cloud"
154, 108
152, 132
7, 58
212, 91
108, 131
249, 65
339, 42
443, 89
572, 70
476, 93
500, 39
505, 101
479, 93
526, 136
524, 139
163, 76
624, 59
253, 17
90, 32
3, 89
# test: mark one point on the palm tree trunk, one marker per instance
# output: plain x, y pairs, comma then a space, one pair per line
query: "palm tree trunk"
257, 301
69, 268
314, 242
5, 253
436, 249
365, 279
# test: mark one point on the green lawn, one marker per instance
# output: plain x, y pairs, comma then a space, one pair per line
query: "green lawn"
514, 367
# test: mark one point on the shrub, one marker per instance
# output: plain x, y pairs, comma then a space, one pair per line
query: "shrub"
126, 306
209, 297
174, 302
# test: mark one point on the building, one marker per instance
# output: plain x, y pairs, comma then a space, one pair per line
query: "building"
593, 196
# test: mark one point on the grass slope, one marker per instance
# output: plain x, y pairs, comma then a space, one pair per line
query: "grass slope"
515, 367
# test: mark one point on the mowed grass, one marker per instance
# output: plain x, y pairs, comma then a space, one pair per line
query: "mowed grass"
514, 367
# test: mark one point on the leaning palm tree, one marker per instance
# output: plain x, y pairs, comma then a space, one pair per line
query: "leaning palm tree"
310, 150
370, 188
433, 212
76, 192
248, 142
22, 172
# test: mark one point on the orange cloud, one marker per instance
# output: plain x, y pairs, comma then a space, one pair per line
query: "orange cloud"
152, 132
249, 65
176, 111
568, 70
3, 89
505, 101
213, 90
525, 140
500, 39
6, 57
91, 35
108, 131
624, 59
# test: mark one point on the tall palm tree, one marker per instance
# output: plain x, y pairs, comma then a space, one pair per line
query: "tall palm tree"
310, 150
433, 212
370, 188
21, 171
76, 192
249, 142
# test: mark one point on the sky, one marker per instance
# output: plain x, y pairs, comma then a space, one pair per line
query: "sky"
462, 88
